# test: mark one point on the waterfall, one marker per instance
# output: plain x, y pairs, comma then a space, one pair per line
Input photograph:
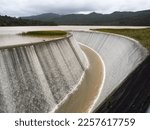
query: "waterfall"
37, 77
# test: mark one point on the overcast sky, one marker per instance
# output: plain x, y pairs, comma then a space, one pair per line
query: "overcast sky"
33, 7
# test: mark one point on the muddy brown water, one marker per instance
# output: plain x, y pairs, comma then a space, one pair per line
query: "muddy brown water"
84, 97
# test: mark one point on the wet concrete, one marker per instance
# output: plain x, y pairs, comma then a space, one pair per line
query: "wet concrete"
59, 66
38, 77
83, 99
133, 96
121, 56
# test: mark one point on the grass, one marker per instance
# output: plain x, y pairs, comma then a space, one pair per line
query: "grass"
142, 35
45, 33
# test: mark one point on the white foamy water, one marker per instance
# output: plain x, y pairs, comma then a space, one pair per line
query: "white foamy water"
37, 78
121, 55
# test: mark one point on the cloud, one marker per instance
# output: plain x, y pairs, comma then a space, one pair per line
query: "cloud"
33, 7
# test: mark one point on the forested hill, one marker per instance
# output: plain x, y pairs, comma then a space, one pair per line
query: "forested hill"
139, 18
12, 21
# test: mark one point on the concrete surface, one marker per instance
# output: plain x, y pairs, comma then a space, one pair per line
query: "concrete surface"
121, 55
133, 95
38, 77
83, 99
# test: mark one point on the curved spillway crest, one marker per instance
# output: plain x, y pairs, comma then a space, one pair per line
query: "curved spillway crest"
36, 78
39, 77
121, 55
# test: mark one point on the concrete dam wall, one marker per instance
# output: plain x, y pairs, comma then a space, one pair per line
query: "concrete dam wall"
38, 77
85, 97
63, 75
121, 55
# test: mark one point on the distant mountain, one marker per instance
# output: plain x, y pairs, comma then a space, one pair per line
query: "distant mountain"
12, 21
139, 18
43, 17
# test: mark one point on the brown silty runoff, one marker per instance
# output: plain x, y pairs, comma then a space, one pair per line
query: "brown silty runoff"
84, 97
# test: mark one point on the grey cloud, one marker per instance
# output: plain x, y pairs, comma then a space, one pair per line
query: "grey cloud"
33, 7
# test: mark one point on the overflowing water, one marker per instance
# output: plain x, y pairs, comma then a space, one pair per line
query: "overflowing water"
36, 78
121, 56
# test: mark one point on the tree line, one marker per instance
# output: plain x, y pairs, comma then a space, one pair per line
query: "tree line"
13, 21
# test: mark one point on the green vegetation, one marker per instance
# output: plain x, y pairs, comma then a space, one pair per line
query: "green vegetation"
12, 21
139, 18
142, 35
45, 33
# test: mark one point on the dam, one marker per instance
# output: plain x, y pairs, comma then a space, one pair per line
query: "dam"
71, 74
36, 78
121, 55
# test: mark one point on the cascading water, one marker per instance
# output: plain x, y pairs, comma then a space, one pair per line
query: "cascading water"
37, 77
121, 55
